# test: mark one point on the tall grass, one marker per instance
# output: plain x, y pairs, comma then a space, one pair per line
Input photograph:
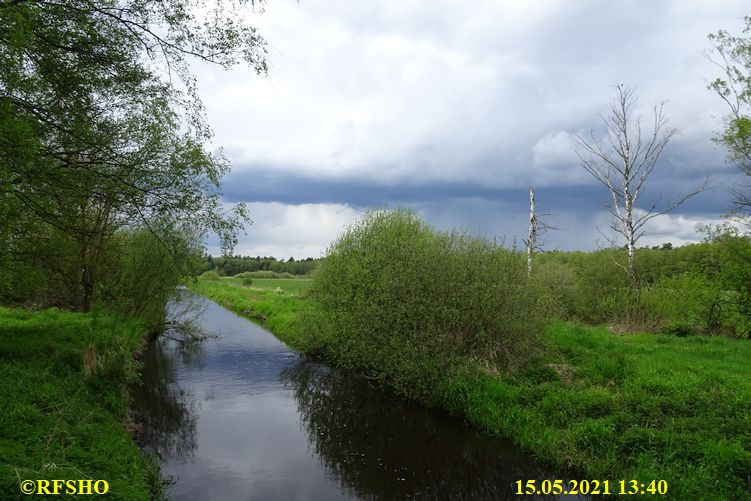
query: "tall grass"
63, 402
405, 303
641, 406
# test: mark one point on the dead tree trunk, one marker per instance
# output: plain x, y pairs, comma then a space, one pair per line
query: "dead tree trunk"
532, 236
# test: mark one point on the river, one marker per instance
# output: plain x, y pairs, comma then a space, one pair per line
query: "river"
240, 416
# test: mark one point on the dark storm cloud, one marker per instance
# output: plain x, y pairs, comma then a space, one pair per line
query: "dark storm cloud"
269, 185
455, 111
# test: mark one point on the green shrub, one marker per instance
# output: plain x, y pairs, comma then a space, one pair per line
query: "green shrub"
246, 278
689, 300
267, 274
681, 305
577, 282
142, 274
405, 303
734, 256
558, 284
261, 274
625, 311
586, 284
680, 330
209, 275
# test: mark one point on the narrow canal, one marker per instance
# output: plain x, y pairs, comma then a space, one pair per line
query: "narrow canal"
240, 416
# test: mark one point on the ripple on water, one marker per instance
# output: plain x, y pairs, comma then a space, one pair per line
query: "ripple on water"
241, 416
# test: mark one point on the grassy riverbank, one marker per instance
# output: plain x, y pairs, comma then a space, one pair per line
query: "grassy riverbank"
63, 401
640, 407
595, 404
279, 310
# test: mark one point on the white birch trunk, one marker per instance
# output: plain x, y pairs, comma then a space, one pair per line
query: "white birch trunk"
532, 237
630, 237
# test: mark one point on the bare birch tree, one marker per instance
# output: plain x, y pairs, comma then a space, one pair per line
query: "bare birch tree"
623, 162
532, 236
537, 228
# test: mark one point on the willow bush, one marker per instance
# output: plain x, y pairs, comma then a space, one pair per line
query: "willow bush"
405, 303
140, 273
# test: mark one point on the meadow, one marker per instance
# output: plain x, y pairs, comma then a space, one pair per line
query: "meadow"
584, 373
625, 407
294, 285
64, 402
594, 404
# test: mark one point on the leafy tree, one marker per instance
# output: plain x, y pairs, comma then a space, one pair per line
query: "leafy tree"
733, 56
95, 139
734, 271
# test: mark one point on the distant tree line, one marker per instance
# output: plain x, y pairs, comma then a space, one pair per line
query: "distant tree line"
232, 265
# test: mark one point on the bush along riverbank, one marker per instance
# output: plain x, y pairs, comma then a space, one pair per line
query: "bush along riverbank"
454, 322
64, 403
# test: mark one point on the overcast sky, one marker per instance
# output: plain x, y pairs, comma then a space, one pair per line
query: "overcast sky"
455, 108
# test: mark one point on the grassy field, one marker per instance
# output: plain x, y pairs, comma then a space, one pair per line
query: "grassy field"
293, 285
63, 402
597, 405
628, 407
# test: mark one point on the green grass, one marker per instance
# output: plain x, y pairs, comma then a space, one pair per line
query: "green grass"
626, 407
293, 285
597, 405
63, 401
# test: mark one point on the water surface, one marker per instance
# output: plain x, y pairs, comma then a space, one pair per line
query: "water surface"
242, 417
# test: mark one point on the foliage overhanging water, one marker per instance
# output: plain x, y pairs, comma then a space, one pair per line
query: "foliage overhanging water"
241, 416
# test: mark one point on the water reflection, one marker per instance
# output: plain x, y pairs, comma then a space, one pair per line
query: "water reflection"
383, 447
165, 412
241, 416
